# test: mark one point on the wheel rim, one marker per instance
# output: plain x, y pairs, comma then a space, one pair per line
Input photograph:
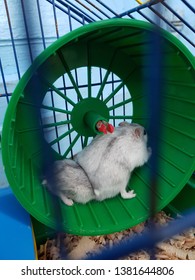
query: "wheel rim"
104, 45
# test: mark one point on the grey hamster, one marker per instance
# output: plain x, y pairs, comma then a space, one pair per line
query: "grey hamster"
103, 168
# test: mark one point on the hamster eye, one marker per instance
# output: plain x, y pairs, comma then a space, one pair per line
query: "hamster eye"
145, 132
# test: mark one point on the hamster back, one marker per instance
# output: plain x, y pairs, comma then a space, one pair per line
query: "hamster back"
110, 159
103, 168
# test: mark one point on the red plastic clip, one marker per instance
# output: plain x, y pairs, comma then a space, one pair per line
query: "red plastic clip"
110, 128
101, 127
104, 127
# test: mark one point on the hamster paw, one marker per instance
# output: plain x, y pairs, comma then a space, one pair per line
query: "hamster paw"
129, 194
97, 193
67, 200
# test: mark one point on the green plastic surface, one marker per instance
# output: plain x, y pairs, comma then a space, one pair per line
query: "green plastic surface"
86, 114
186, 198
118, 46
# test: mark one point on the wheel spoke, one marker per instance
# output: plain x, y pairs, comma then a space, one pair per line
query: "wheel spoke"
70, 75
119, 86
50, 108
61, 137
71, 145
119, 104
54, 124
123, 117
140, 118
89, 80
114, 92
107, 74
85, 141
61, 94
103, 84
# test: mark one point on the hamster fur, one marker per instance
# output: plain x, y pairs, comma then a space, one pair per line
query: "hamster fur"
102, 169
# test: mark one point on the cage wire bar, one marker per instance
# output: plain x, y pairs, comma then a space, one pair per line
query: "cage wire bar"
82, 13
78, 13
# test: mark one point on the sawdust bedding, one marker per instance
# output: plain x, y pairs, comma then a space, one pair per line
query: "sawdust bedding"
179, 247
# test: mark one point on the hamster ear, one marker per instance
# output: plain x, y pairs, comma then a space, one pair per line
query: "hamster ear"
124, 124
137, 132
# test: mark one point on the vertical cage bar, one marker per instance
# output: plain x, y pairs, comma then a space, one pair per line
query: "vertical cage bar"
4, 83
12, 39
55, 18
41, 24
27, 32
113, 101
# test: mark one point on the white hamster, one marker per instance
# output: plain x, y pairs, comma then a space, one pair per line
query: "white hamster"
103, 168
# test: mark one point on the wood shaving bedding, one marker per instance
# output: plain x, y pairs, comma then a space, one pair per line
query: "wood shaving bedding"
179, 247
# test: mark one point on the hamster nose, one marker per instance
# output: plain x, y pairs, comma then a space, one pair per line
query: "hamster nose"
145, 132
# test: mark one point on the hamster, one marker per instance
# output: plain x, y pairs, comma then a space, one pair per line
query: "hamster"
102, 169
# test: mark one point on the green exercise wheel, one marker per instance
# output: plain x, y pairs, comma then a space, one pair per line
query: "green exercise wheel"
93, 73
